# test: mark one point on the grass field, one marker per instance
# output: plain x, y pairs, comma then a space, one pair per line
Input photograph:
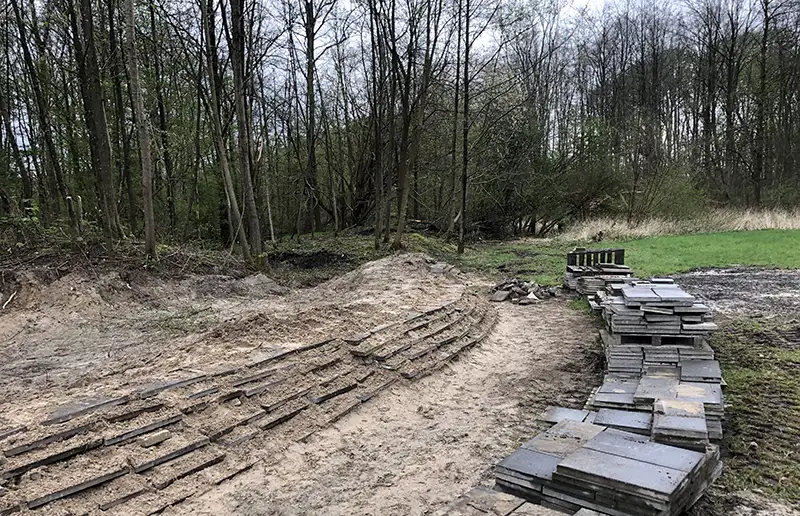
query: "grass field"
544, 260
671, 254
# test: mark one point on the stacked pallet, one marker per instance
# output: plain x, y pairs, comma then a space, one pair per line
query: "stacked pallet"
636, 356
576, 465
590, 285
644, 394
650, 310
599, 274
642, 445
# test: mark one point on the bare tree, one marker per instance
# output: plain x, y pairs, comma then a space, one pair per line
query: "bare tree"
142, 129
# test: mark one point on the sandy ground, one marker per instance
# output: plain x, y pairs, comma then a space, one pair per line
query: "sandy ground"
82, 334
411, 450
423, 444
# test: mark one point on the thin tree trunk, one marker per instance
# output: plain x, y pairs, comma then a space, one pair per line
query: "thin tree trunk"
451, 199
95, 117
27, 185
219, 142
169, 169
144, 134
44, 117
242, 132
465, 137
311, 129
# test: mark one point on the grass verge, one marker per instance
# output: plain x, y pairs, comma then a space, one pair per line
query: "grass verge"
761, 365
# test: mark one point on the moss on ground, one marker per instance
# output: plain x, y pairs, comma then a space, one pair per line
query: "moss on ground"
761, 365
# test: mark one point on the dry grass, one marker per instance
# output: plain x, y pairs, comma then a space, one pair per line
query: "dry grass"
609, 228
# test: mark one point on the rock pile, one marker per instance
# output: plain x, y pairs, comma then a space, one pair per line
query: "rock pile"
521, 292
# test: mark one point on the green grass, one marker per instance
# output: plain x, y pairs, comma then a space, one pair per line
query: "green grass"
581, 305
761, 365
544, 260
671, 254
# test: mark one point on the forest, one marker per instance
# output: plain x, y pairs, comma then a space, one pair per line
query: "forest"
240, 122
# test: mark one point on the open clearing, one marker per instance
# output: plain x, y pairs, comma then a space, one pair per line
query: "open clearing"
395, 442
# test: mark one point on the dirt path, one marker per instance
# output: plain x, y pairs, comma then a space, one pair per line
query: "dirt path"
423, 443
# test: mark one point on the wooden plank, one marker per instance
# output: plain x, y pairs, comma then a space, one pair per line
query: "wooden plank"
136, 432
83, 407
272, 423
171, 455
123, 499
41, 443
151, 389
332, 394
77, 488
188, 471
369, 395
213, 435
14, 430
53, 458
125, 416
281, 402
258, 389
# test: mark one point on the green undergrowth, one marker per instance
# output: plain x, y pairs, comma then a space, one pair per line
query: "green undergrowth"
543, 260
580, 304
761, 365
308, 261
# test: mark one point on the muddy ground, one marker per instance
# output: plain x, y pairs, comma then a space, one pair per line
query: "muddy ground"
758, 311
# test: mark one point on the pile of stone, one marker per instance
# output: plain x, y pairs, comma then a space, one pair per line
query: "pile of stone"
645, 442
577, 464
654, 308
634, 357
588, 279
656, 393
520, 292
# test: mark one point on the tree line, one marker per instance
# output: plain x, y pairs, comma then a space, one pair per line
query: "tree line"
239, 122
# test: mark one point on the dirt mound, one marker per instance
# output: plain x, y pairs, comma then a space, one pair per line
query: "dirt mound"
71, 333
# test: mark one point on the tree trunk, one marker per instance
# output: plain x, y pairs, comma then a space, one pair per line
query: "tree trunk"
144, 134
169, 168
311, 128
122, 147
242, 126
465, 137
451, 199
219, 142
43, 116
27, 185
95, 116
